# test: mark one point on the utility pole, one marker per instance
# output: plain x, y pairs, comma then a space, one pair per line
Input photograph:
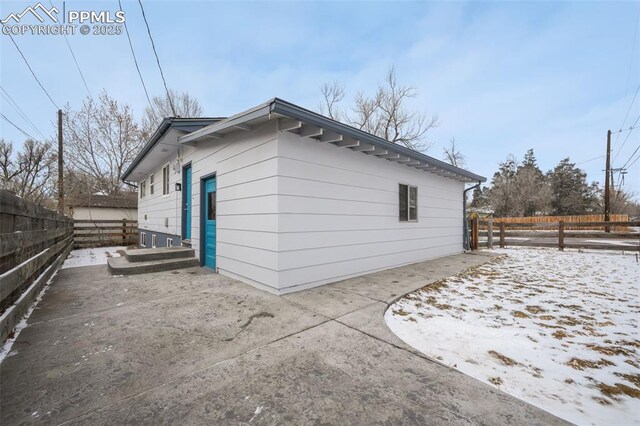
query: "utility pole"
60, 166
607, 192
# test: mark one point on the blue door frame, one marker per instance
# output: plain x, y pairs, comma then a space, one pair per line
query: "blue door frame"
208, 221
186, 202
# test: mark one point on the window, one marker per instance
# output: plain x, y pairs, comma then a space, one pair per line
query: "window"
143, 188
143, 239
211, 206
165, 180
169, 242
408, 206
151, 185
153, 240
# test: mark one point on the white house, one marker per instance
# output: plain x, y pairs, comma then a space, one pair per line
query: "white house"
285, 199
98, 207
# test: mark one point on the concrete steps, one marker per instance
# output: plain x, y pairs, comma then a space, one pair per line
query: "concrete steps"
142, 261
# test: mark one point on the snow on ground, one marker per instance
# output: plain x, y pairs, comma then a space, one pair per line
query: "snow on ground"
91, 256
556, 329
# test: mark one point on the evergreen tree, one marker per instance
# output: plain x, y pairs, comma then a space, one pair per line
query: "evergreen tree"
502, 195
533, 194
571, 194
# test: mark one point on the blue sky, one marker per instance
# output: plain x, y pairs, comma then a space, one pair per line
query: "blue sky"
502, 76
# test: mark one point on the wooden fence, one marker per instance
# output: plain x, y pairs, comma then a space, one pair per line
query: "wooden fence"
34, 241
102, 233
585, 235
554, 220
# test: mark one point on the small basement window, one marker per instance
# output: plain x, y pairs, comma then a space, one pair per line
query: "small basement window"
165, 180
143, 239
153, 240
169, 242
151, 184
408, 203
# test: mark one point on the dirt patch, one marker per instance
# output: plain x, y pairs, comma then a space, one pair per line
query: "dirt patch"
559, 334
495, 381
613, 391
535, 309
581, 364
609, 350
505, 360
633, 378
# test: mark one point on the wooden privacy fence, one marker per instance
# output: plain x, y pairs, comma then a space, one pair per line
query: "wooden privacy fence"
102, 233
585, 235
552, 221
34, 241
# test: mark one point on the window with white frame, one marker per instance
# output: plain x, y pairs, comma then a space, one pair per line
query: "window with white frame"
153, 240
143, 188
151, 184
143, 239
165, 180
408, 203
169, 242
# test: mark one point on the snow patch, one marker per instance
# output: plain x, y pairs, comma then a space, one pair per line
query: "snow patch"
91, 256
556, 329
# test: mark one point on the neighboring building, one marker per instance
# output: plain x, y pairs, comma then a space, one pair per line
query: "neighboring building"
285, 199
104, 207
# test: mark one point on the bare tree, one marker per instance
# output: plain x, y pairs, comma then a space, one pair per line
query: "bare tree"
103, 138
454, 157
332, 94
30, 173
385, 114
161, 107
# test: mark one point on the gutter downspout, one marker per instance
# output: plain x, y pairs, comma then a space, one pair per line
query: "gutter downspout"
465, 227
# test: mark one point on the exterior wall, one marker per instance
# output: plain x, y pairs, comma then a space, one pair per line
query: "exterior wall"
245, 165
339, 214
104, 213
294, 213
161, 239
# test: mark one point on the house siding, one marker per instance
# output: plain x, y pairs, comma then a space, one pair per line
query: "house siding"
339, 214
245, 166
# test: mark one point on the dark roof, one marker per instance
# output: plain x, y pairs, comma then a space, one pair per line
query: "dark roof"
127, 200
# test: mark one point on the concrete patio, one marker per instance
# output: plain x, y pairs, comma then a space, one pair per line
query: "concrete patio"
193, 347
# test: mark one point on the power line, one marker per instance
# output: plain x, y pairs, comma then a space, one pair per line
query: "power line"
135, 60
144, 16
17, 127
625, 139
30, 69
76, 61
634, 153
633, 162
592, 159
625, 118
24, 116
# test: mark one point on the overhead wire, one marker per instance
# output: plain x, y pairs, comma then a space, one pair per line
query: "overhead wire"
24, 116
155, 52
17, 127
135, 59
31, 70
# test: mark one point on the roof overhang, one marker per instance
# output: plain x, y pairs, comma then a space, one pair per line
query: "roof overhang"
181, 125
305, 123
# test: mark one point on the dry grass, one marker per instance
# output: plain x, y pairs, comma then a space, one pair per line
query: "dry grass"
505, 360
613, 391
495, 380
581, 364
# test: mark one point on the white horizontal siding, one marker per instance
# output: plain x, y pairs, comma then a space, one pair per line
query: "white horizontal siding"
339, 214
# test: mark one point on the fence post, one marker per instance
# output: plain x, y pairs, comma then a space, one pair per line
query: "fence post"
124, 231
474, 233
561, 235
501, 234
490, 234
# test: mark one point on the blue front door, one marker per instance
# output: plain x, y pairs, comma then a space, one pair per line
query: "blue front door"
186, 202
210, 223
